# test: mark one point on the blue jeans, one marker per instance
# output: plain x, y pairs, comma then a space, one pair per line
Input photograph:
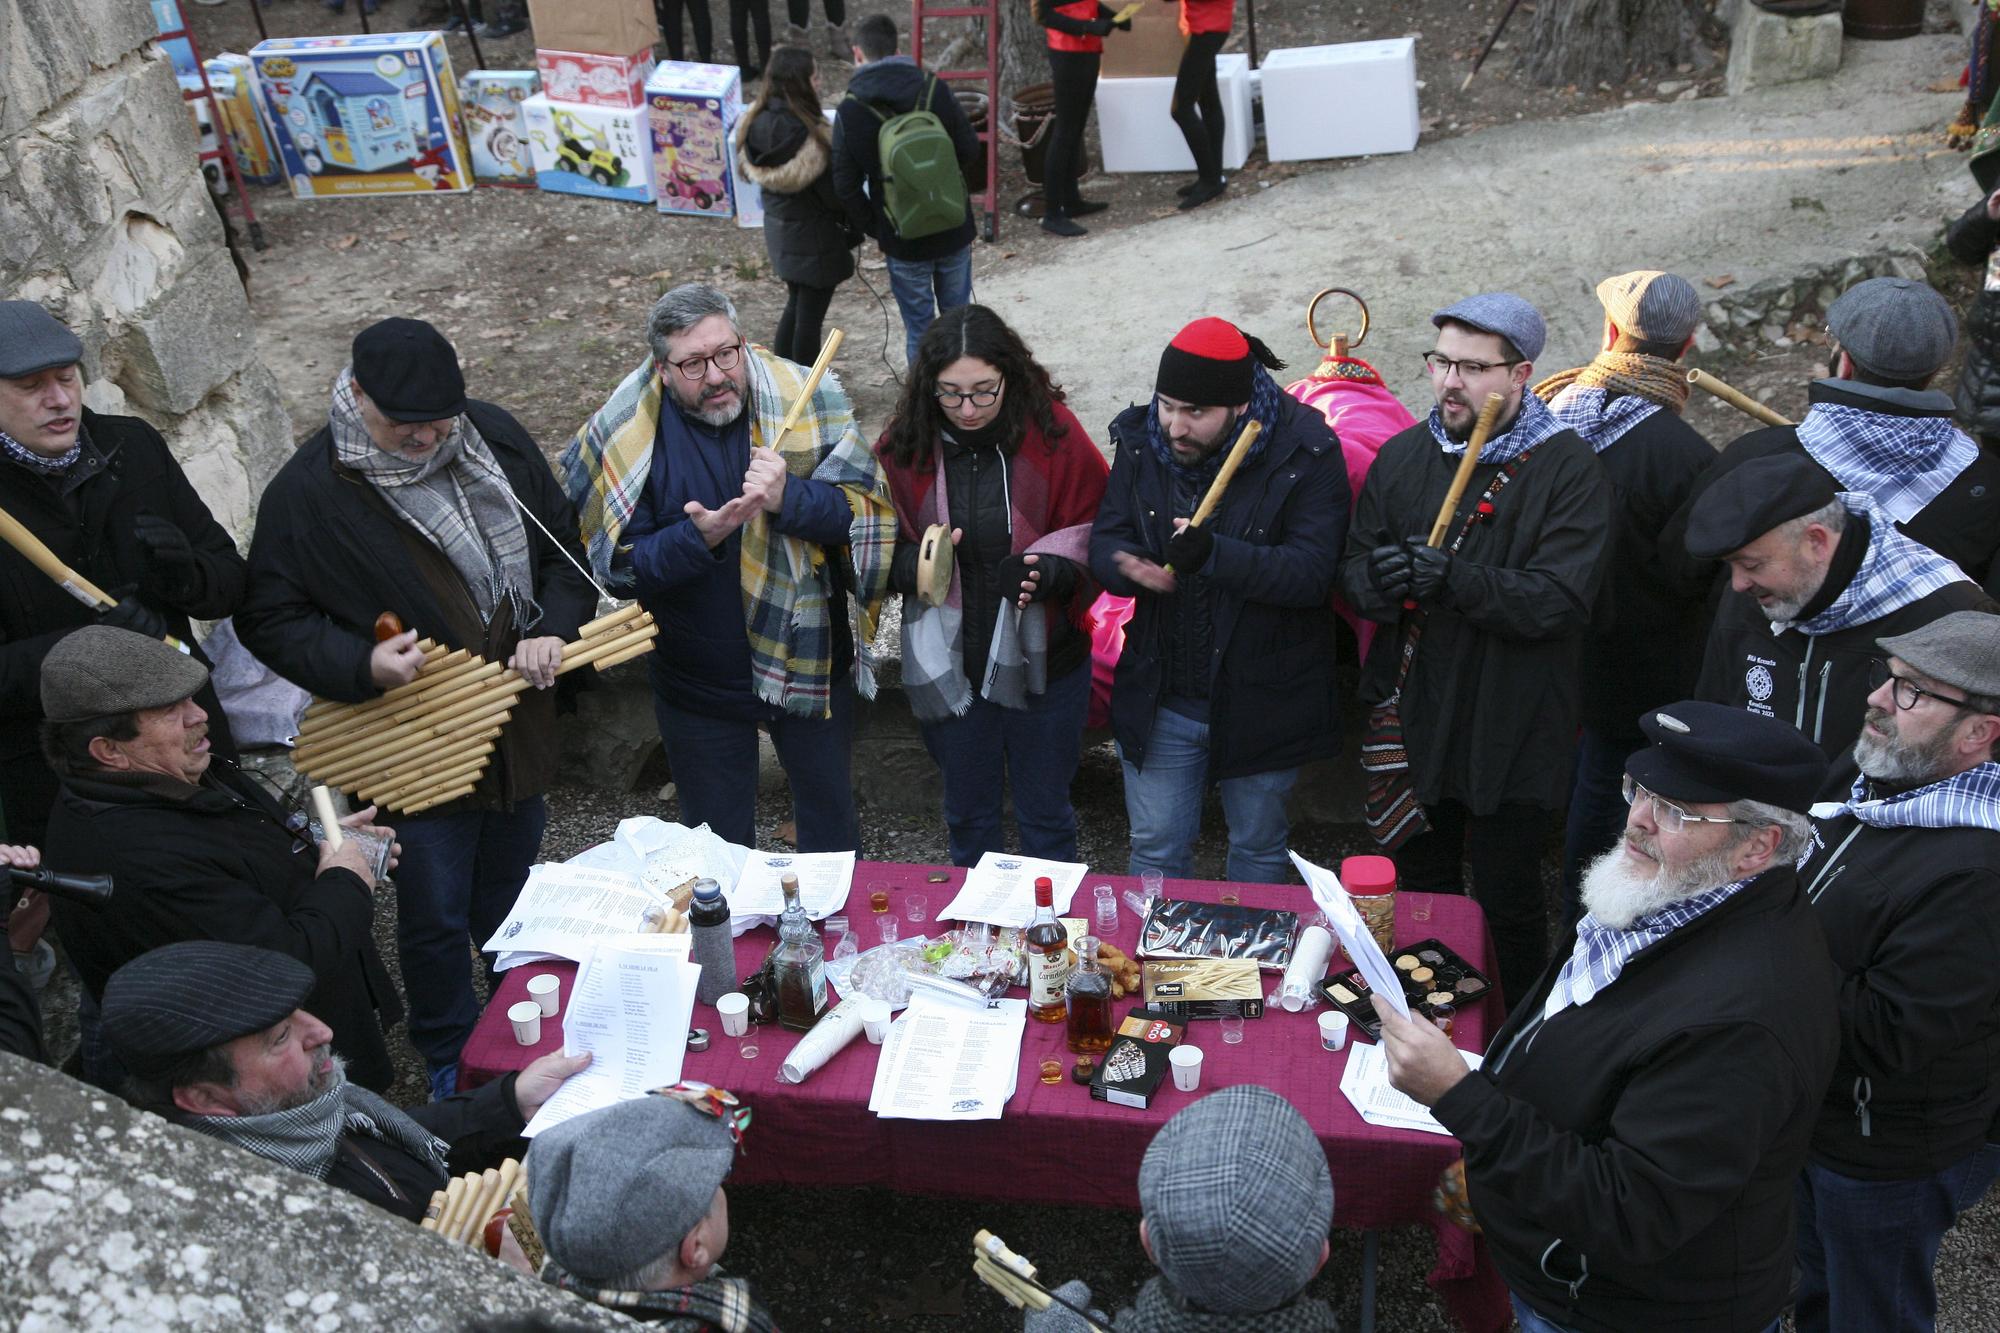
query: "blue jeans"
457, 878
1163, 805
714, 762
1597, 813
1867, 1247
926, 288
1532, 1322
1034, 750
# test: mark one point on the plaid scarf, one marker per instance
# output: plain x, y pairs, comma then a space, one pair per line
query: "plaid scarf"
1264, 396
1965, 800
1532, 424
34, 462
458, 499
787, 586
1904, 462
305, 1138
1601, 952
1894, 572
722, 1304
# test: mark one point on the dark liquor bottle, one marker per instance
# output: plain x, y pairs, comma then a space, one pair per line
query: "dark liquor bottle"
1047, 944
1088, 1000
798, 964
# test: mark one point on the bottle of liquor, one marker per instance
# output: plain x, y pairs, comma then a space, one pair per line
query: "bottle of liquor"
798, 964
1047, 944
713, 948
1087, 997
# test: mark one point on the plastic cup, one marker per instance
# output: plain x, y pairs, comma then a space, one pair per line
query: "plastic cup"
890, 929
875, 1019
1153, 884
546, 991
377, 847
1107, 909
878, 896
1332, 1030
526, 1016
1186, 1062
917, 908
735, 1011
1232, 1029
1051, 1072
1445, 1016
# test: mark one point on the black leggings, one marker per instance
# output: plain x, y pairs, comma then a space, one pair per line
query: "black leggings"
1075, 76
800, 12
1197, 103
799, 327
742, 14
668, 12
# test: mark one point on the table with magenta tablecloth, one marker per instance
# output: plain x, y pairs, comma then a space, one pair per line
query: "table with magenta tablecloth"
1381, 1177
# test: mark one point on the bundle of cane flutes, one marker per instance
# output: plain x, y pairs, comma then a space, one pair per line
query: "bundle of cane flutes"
1016, 1279
463, 1211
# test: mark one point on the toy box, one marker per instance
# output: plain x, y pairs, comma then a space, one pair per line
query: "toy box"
245, 118
596, 80
364, 114
496, 126
602, 151
167, 18
693, 111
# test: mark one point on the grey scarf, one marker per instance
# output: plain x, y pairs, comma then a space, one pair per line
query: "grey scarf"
306, 1137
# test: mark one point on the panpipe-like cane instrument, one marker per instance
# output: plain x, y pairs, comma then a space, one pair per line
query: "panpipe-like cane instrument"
1014, 1278
468, 1208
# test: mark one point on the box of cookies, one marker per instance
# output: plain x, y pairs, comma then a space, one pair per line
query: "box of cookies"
1435, 980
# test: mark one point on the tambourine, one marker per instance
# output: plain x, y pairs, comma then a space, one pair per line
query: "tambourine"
934, 556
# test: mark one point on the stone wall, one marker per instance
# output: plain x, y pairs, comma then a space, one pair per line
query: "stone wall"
106, 220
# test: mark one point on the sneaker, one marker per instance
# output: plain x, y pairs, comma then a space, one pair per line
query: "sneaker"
1083, 208
1060, 225
1203, 192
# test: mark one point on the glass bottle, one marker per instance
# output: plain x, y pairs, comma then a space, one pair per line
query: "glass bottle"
1087, 998
713, 948
1047, 944
798, 964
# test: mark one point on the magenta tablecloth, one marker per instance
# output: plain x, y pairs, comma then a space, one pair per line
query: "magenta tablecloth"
1381, 1177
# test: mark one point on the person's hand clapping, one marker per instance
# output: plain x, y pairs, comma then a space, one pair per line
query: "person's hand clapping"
1148, 574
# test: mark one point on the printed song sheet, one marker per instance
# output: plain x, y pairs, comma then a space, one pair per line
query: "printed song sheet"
562, 909
944, 1060
1001, 889
1365, 1083
1352, 932
630, 1010
824, 879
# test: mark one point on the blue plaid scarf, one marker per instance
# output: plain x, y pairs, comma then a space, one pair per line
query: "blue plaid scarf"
1597, 416
34, 462
1903, 462
1894, 572
1533, 424
1601, 952
1264, 404
1965, 800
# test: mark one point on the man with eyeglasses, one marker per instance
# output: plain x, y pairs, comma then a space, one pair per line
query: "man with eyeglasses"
410, 500
1634, 1132
1490, 622
1905, 876
745, 542
1816, 576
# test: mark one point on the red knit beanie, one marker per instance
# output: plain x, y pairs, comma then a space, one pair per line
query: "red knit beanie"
1208, 364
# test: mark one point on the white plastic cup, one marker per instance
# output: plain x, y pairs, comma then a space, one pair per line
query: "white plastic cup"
1186, 1061
546, 991
1333, 1030
735, 1010
1153, 884
875, 1019
526, 1016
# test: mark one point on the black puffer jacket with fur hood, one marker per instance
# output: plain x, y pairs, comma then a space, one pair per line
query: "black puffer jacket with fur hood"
805, 229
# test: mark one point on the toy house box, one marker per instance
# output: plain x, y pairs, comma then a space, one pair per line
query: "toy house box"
600, 151
496, 125
245, 119
365, 114
693, 110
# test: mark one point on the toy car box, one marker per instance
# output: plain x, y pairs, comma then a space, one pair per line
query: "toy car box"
600, 151
594, 79
496, 125
369, 113
693, 111
245, 119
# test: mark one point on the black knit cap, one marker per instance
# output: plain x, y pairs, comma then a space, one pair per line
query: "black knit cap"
1209, 364
409, 371
1706, 752
182, 998
1746, 502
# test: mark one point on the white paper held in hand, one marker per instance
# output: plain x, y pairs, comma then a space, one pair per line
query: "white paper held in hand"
1365, 1084
1353, 932
630, 1010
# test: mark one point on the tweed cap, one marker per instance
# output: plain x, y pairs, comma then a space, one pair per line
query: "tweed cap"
31, 339
101, 669
1961, 650
409, 371
1659, 307
1503, 313
1896, 327
1237, 1200
182, 998
613, 1190
1746, 502
1714, 752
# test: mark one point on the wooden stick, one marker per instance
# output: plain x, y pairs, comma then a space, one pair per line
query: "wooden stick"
457, 1197
827, 351
1237, 453
1487, 49
474, 713
1482, 429
329, 824
510, 1180
640, 650
1736, 398
344, 717
41, 557
482, 1205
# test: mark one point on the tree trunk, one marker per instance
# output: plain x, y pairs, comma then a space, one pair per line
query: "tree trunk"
1587, 42
1024, 57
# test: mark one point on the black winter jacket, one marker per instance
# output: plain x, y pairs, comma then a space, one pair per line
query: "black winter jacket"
1653, 1135
1278, 533
1490, 707
88, 520
892, 86
1912, 918
806, 231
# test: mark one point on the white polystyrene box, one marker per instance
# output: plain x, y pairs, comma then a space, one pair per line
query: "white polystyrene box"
1135, 120
1340, 101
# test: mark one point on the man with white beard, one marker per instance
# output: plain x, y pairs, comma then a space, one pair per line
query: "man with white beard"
1905, 878
1633, 1136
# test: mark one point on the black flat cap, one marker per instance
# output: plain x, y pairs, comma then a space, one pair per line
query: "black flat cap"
1713, 752
409, 371
188, 997
1746, 502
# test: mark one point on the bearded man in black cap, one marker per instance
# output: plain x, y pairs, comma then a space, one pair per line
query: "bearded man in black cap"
1632, 1137
1815, 577
406, 502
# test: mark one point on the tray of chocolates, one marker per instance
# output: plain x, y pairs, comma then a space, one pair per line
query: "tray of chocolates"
1434, 979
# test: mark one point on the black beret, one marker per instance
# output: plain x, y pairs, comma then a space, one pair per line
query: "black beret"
1746, 502
1705, 752
182, 998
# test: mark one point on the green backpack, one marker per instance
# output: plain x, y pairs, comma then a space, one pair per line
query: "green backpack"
923, 190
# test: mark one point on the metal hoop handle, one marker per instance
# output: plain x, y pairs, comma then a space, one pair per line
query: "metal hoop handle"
1312, 306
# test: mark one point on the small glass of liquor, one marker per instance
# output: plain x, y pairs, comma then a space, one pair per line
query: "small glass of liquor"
878, 897
1087, 1001
1444, 1015
917, 908
1232, 1029
1052, 1072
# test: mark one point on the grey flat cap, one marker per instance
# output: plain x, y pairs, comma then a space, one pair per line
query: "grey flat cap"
101, 669
1961, 650
31, 339
1895, 327
1237, 1200
182, 998
1648, 304
1503, 313
613, 1190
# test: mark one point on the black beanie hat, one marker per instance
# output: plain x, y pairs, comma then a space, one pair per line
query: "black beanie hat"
1209, 364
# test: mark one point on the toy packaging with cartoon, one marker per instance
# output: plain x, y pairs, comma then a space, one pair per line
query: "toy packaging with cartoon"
167, 18
496, 126
365, 113
593, 79
694, 109
245, 118
601, 151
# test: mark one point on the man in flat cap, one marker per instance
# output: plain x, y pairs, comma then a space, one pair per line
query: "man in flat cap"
1480, 667
1235, 1204
1646, 632
198, 849
1876, 426
410, 501
1633, 1136
217, 1037
1905, 876
628, 1201
1815, 577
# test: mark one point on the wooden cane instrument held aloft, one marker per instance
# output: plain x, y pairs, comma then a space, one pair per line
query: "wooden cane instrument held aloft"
1239, 451
1482, 430
1736, 398
36, 553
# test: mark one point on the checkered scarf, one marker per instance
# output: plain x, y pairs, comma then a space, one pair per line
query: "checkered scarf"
1903, 462
1894, 572
37, 463
305, 1138
723, 1304
1598, 417
1532, 424
1601, 953
1965, 800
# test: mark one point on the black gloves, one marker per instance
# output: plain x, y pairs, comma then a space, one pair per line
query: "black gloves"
1430, 568
1389, 569
1099, 27
172, 574
1189, 549
903, 568
619, 575
1014, 571
133, 614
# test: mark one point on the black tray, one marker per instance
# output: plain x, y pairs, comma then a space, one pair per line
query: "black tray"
1449, 973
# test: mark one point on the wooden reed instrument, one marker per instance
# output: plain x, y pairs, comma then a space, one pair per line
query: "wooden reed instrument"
1014, 1278
1245, 440
1482, 430
37, 553
1736, 398
463, 1211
